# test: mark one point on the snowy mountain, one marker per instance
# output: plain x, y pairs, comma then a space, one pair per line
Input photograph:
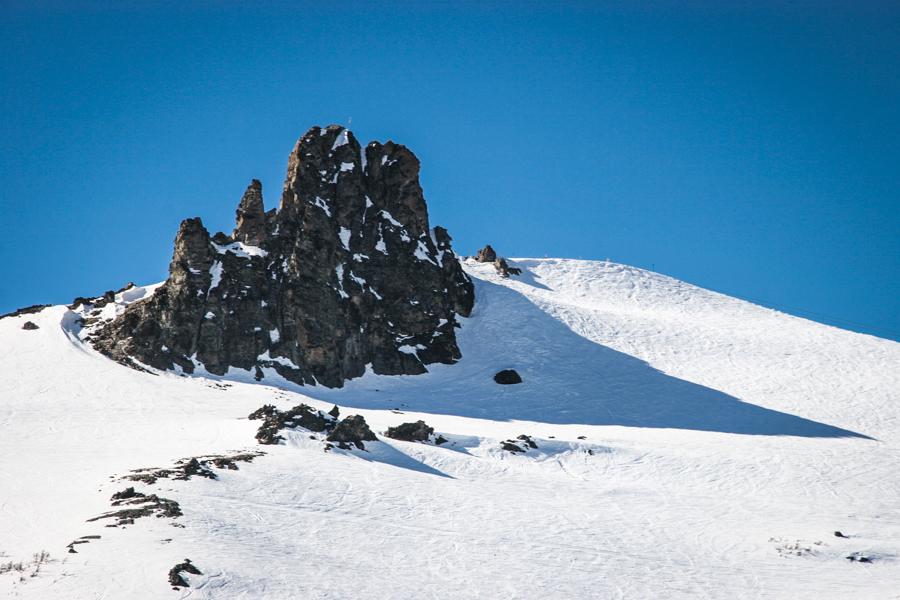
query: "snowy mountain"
683, 444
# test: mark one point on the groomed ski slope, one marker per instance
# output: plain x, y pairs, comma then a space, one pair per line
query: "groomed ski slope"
727, 443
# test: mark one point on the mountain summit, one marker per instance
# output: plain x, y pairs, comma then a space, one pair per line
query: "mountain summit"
345, 274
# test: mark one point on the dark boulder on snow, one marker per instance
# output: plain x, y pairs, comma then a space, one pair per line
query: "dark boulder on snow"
410, 432
486, 255
352, 430
346, 273
508, 377
30, 326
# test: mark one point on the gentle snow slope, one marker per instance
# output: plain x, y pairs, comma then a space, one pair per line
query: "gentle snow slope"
724, 443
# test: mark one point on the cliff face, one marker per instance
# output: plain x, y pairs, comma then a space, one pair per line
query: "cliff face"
345, 273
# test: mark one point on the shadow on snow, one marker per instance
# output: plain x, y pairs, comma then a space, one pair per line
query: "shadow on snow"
567, 379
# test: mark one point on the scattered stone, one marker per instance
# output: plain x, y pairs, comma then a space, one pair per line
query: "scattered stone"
190, 467
411, 432
582, 437
858, 557
346, 273
352, 430
508, 377
486, 255
839, 534
30, 326
175, 578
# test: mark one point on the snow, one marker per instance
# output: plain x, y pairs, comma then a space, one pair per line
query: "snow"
346, 166
323, 204
724, 438
344, 236
380, 245
421, 252
278, 359
216, 272
274, 336
341, 140
339, 273
240, 249
209, 315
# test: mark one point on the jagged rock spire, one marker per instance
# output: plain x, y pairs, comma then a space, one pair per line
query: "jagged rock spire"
251, 216
346, 275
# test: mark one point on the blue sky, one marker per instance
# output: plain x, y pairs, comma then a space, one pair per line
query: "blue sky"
754, 150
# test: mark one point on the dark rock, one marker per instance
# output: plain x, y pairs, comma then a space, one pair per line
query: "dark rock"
124, 494
30, 326
175, 578
528, 441
507, 377
440, 440
511, 446
411, 432
486, 255
839, 534
352, 430
28, 310
346, 273
521, 444
335, 411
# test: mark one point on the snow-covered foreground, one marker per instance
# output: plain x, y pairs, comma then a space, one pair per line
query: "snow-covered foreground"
690, 446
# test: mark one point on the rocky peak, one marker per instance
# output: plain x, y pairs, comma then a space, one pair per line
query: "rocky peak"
345, 275
251, 216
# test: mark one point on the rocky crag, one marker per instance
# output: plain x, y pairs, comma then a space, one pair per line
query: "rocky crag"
345, 274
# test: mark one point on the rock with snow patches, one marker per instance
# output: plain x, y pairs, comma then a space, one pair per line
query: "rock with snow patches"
410, 432
507, 377
352, 430
346, 274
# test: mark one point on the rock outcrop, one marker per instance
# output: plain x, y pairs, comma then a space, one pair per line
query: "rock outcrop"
346, 274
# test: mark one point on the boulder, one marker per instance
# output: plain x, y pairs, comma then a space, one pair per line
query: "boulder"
508, 377
411, 432
30, 326
352, 430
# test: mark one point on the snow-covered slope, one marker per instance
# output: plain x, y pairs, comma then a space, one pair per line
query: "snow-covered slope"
690, 445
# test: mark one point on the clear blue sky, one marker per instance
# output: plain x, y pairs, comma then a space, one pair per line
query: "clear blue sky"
753, 150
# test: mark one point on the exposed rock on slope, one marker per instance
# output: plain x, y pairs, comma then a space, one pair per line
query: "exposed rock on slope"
346, 273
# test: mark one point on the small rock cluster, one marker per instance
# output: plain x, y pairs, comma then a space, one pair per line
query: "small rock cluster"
489, 255
342, 432
28, 310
